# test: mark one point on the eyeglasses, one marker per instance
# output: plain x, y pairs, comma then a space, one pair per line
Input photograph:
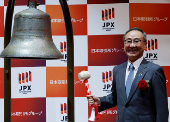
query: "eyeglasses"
135, 41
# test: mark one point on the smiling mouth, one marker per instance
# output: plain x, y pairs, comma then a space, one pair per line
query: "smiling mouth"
132, 50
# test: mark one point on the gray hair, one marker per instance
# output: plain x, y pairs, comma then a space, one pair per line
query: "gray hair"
138, 29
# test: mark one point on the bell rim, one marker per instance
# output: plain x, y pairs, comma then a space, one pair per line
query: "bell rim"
33, 58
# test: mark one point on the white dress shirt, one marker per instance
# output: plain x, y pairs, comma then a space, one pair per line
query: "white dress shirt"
136, 66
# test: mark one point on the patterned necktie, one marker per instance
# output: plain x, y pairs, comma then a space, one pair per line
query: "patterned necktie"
129, 80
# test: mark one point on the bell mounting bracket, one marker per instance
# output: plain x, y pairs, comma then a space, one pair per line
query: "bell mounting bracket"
35, 4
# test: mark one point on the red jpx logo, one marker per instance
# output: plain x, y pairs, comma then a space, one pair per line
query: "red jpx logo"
64, 108
106, 76
63, 50
152, 45
63, 46
106, 79
108, 14
25, 77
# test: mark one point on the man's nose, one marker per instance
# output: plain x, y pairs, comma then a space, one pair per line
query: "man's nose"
132, 44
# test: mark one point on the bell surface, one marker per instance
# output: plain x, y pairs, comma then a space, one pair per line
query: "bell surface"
32, 36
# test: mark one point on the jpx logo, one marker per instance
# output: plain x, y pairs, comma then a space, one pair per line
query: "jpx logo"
107, 16
64, 111
151, 50
24, 80
107, 80
63, 50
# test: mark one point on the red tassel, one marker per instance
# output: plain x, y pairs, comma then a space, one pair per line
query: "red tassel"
96, 111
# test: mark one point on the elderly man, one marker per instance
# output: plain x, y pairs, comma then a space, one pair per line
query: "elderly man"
138, 86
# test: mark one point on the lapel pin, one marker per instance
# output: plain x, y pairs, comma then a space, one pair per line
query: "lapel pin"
140, 74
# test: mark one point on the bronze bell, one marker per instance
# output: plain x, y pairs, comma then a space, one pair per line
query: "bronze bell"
32, 36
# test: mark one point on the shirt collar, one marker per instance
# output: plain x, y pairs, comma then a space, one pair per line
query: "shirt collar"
136, 63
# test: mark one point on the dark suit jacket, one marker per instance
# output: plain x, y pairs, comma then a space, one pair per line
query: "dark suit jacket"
140, 106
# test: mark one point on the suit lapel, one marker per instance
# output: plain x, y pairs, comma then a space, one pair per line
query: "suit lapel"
139, 75
122, 73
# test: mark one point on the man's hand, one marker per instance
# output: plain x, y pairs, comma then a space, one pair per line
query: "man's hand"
92, 99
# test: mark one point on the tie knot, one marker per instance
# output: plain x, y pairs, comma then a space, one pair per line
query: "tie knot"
131, 67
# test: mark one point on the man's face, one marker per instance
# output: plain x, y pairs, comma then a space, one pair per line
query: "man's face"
134, 50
